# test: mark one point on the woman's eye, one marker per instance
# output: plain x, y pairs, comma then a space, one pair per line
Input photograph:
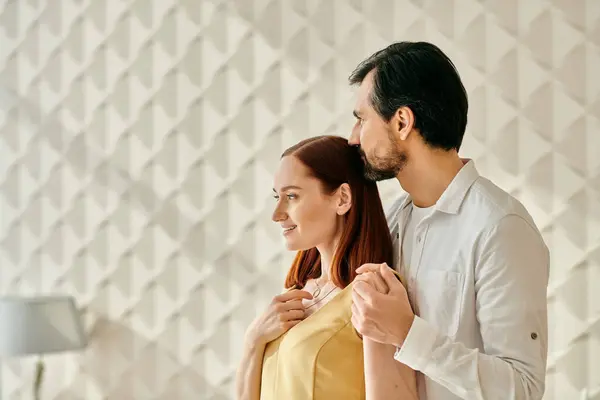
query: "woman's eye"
289, 196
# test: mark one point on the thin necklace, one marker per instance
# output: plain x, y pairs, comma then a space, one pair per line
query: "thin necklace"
318, 290
319, 300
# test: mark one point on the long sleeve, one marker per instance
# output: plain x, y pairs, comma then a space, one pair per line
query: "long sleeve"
511, 279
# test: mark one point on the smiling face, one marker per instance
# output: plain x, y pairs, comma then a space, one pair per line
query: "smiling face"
307, 214
383, 154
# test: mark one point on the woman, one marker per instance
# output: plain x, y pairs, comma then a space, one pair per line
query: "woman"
304, 346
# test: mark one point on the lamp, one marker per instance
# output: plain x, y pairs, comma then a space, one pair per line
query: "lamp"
39, 325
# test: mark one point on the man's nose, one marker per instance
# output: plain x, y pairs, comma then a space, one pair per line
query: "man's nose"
354, 138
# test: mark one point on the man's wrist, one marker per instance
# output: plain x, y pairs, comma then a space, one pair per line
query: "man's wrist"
405, 328
418, 346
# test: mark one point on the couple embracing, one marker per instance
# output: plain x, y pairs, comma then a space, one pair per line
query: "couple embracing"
441, 297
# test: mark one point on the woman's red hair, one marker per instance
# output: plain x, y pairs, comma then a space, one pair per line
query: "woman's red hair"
365, 236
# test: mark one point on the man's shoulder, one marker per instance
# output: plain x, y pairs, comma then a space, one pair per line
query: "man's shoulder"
492, 204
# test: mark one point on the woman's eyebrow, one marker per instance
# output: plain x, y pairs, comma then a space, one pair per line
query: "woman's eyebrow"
283, 189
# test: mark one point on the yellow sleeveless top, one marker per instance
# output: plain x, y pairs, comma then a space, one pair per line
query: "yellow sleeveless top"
321, 358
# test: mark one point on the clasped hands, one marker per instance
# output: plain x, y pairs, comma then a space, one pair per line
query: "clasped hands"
381, 310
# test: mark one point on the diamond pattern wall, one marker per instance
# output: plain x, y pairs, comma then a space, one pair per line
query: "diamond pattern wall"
138, 139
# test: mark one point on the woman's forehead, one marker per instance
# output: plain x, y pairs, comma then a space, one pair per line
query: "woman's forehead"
293, 173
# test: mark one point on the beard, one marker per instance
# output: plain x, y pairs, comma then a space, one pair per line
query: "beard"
384, 168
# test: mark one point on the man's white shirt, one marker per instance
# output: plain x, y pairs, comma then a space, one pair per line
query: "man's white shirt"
477, 272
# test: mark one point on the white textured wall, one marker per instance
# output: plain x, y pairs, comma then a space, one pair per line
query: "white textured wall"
138, 138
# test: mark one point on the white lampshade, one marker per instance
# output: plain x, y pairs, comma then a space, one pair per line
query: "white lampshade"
39, 325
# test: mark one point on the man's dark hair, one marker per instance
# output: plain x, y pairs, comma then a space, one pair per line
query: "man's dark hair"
420, 76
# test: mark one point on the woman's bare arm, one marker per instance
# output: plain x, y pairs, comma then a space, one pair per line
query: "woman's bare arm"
386, 378
285, 311
249, 372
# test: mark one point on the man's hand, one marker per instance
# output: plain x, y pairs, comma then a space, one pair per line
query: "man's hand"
373, 278
384, 316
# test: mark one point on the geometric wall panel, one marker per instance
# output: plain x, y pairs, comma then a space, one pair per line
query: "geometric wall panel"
138, 141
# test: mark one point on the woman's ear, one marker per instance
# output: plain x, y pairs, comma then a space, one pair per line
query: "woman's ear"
344, 200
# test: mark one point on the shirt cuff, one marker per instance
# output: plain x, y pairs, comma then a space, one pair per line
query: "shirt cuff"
418, 345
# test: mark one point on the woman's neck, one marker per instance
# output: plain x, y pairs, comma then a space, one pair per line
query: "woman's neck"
327, 251
325, 267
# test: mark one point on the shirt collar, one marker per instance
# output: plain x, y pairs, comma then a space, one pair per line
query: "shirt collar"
454, 195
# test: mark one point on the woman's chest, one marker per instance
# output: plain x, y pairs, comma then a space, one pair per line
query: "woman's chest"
321, 297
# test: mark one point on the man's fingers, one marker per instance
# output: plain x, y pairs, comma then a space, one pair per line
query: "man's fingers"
363, 289
389, 277
357, 301
356, 311
374, 279
380, 283
367, 268
357, 316
363, 292
365, 278
356, 324
294, 294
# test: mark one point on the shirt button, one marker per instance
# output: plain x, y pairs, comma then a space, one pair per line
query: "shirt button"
534, 335
419, 239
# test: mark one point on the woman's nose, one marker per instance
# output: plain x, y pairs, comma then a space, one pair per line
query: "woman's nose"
278, 214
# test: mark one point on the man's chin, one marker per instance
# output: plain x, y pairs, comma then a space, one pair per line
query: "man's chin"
378, 175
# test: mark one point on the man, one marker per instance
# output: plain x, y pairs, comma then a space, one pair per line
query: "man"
472, 320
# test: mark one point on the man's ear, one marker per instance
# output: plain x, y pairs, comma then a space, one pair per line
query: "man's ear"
344, 201
403, 122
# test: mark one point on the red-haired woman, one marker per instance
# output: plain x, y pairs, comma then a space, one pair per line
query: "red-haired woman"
304, 346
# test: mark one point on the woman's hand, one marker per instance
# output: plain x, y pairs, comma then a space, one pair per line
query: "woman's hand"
285, 311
